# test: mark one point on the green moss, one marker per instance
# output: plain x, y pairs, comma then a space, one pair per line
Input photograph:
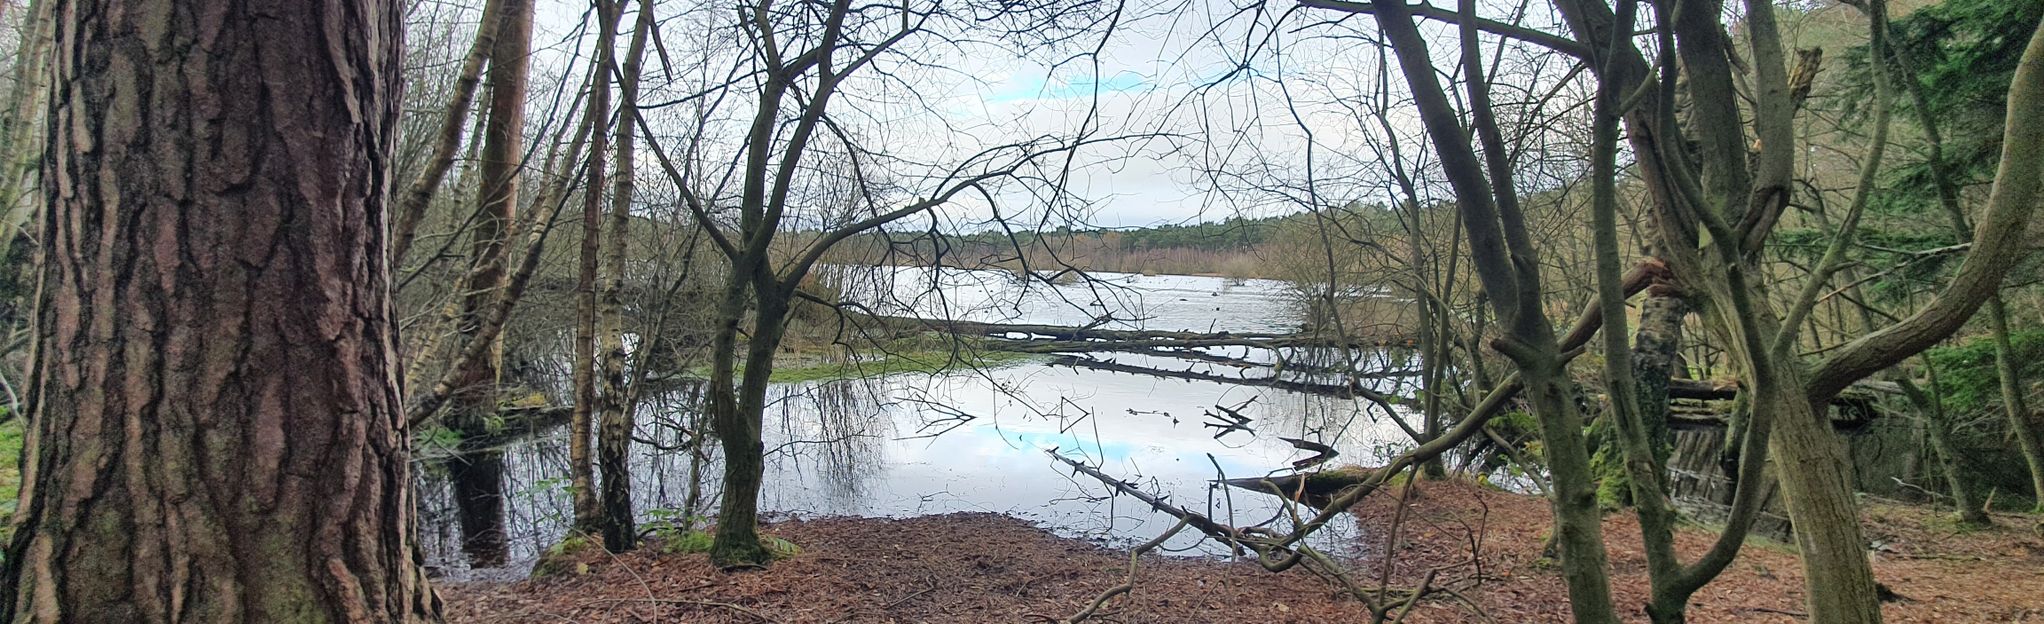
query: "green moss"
1607, 465
523, 397
11, 434
564, 557
924, 354
779, 548
695, 542
686, 542
436, 436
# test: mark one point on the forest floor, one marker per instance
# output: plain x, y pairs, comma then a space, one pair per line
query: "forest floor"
992, 568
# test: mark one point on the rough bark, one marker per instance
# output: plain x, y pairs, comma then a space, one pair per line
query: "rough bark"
216, 433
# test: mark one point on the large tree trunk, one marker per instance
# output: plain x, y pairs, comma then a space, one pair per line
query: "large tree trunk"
216, 433
737, 428
480, 478
1817, 489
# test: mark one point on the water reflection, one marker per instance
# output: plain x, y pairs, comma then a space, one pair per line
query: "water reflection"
1114, 300
913, 444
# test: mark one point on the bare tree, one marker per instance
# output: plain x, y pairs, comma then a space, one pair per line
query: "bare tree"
581, 468
801, 158
615, 405
419, 193
479, 483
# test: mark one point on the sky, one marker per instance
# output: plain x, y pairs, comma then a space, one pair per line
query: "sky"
1231, 108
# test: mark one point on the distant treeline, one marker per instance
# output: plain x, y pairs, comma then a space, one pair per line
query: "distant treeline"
1233, 247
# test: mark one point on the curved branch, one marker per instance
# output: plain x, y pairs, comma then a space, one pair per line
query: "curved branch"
1999, 243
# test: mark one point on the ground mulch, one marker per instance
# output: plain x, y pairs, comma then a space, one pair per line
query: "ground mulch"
993, 568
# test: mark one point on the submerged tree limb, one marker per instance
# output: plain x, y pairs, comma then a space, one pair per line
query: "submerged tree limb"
1278, 553
1341, 390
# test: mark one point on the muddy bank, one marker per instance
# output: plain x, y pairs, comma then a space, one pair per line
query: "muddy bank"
992, 568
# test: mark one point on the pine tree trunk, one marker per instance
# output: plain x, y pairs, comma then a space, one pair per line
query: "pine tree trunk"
216, 432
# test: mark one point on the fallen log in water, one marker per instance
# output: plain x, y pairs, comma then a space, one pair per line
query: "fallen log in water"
1852, 415
1206, 525
1063, 338
1345, 391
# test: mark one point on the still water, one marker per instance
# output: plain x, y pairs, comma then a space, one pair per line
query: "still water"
975, 440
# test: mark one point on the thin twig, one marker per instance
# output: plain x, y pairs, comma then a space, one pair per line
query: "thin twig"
1130, 584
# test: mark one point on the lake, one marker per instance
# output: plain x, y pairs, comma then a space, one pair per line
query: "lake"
974, 440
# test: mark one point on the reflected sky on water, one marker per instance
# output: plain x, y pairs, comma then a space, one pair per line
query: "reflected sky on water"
974, 440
